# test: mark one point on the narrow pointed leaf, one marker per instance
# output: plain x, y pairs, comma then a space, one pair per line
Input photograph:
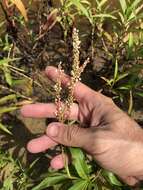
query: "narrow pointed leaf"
4, 128
81, 7
116, 70
123, 5
131, 40
122, 76
7, 109
4, 99
50, 181
111, 178
139, 94
7, 75
102, 3
135, 4
104, 16
79, 185
79, 162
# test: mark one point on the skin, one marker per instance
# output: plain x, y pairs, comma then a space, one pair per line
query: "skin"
113, 139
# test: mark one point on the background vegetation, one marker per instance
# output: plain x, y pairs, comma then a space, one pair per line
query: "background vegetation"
39, 33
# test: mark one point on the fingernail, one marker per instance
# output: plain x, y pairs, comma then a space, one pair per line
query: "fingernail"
52, 130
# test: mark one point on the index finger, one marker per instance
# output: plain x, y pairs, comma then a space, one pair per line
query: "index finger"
81, 91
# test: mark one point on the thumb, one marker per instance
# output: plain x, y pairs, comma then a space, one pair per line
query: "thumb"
70, 135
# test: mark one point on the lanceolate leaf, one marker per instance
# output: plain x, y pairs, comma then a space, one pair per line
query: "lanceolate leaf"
80, 185
133, 10
81, 7
7, 75
51, 181
131, 40
102, 3
79, 162
123, 5
3, 128
135, 4
19, 4
116, 70
5, 99
112, 178
104, 16
7, 109
139, 94
122, 76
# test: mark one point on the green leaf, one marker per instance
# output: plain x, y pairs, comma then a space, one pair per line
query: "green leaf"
102, 3
94, 185
139, 94
122, 76
130, 108
7, 75
112, 178
133, 10
125, 87
108, 81
5, 61
80, 185
4, 99
130, 45
104, 16
85, 2
51, 181
140, 16
115, 71
131, 40
8, 184
3, 128
7, 109
123, 5
138, 9
79, 163
135, 4
81, 7
122, 17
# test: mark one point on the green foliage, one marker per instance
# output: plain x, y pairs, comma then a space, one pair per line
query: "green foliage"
122, 46
4, 63
116, 77
12, 173
4, 128
131, 11
82, 176
79, 163
79, 185
51, 180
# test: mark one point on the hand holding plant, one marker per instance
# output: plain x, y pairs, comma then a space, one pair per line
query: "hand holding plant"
110, 136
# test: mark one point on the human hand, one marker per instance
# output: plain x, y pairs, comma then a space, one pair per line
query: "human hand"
110, 136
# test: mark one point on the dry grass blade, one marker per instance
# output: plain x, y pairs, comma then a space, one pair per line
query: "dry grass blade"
19, 4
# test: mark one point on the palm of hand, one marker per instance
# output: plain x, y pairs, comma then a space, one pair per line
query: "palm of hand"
117, 140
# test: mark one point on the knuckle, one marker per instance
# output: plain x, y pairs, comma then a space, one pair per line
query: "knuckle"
71, 134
